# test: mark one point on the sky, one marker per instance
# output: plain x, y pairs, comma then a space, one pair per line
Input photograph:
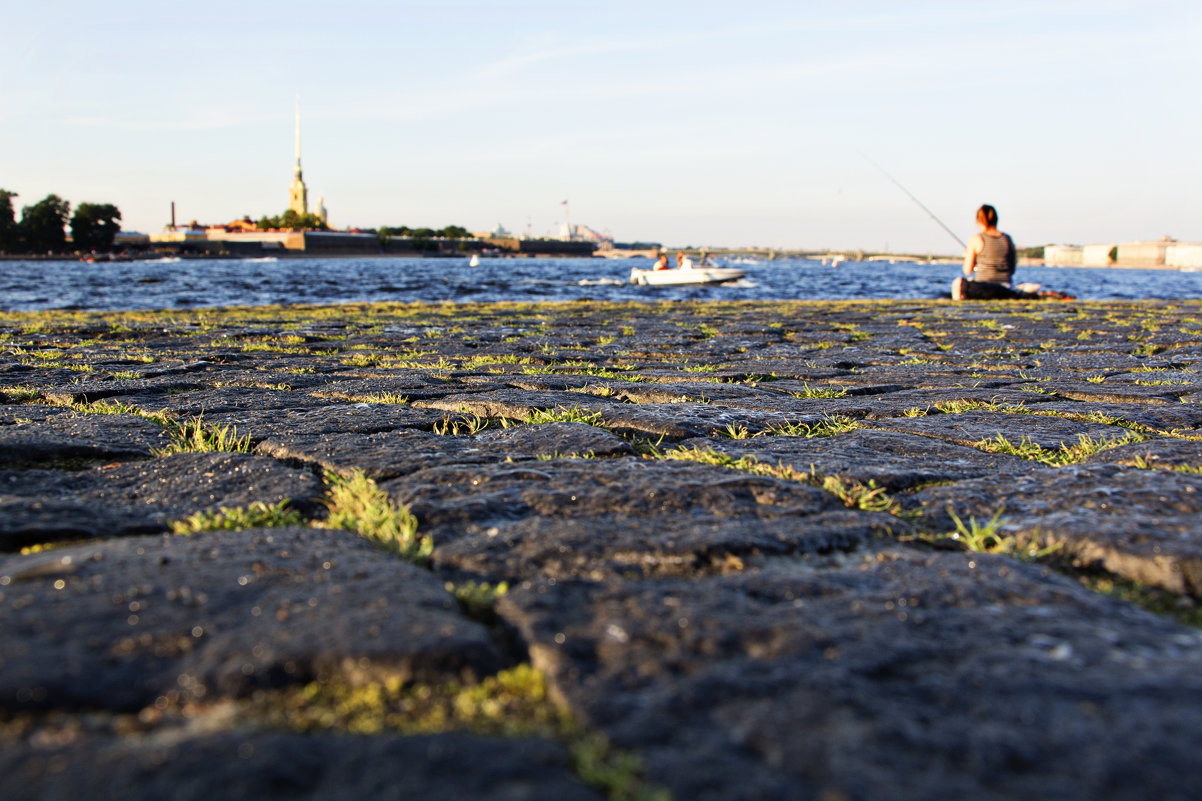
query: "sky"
752, 123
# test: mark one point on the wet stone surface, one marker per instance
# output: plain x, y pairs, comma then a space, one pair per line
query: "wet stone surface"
63, 437
515, 404
1138, 523
393, 453
290, 766
121, 624
208, 402
38, 506
1178, 454
1175, 417
725, 530
411, 387
566, 519
327, 419
881, 675
970, 428
893, 460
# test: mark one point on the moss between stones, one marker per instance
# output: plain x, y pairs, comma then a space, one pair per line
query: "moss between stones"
1181, 608
256, 515
513, 703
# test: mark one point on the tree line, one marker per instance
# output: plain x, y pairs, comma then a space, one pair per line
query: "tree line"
43, 226
450, 232
291, 220
423, 238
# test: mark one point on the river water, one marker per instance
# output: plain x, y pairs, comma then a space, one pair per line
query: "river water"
174, 283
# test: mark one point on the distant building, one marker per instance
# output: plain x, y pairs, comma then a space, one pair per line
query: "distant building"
298, 193
582, 233
131, 238
1151, 254
181, 234
1183, 255
297, 242
1097, 255
1063, 255
235, 226
1142, 254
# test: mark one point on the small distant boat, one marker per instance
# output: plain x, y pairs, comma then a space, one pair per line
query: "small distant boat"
474, 261
95, 258
695, 275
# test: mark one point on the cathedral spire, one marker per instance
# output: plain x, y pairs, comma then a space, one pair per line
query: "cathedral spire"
298, 160
298, 193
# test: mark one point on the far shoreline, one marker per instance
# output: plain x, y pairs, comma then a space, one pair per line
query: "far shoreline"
291, 255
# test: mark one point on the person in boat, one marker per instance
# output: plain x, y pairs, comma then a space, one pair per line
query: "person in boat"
989, 262
683, 262
662, 262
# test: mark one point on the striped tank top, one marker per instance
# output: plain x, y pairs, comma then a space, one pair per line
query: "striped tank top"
995, 263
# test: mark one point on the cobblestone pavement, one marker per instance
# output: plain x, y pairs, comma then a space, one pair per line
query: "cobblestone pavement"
869, 550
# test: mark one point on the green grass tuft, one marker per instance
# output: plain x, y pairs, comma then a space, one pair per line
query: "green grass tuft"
386, 398
828, 426
616, 773
477, 362
987, 538
562, 414
477, 599
193, 436
357, 504
1159, 601
467, 424
851, 493
256, 515
820, 392
20, 395
1067, 454
512, 703
857, 495
735, 431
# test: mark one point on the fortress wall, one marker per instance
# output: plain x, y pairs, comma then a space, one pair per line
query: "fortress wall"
1183, 255
1096, 255
338, 242
1063, 255
1142, 254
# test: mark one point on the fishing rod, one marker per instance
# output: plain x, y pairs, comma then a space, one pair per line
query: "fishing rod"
910, 195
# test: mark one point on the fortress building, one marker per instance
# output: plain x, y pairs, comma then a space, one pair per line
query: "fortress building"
298, 194
1164, 253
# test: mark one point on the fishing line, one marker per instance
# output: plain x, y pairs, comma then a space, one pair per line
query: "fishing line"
910, 195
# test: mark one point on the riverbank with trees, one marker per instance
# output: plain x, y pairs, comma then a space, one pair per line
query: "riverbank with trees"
42, 228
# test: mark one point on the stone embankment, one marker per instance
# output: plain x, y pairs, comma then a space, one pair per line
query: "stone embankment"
873, 550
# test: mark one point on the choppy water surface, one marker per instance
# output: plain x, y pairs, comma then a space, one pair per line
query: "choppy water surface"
38, 285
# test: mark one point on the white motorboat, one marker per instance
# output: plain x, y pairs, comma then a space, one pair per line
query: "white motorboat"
693, 275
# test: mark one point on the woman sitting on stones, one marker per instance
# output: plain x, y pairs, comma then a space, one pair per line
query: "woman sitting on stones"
989, 262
